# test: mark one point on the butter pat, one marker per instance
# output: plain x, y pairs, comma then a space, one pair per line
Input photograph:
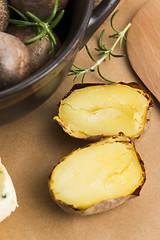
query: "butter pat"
8, 199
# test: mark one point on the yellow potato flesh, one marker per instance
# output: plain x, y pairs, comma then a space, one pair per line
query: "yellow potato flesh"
104, 110
100, 172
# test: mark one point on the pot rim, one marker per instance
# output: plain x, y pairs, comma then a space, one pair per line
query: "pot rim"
60, 58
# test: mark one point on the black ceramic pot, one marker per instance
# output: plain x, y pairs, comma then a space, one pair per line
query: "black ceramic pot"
81, 20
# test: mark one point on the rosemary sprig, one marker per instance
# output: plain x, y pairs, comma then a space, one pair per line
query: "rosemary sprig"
102, 51
43, 27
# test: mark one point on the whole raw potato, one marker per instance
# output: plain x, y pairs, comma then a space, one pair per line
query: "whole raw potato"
40, 50
14, 60
4, 15
41, 9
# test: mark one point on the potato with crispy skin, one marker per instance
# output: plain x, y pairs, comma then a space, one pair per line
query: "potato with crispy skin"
98, 177
93, 111
4, 15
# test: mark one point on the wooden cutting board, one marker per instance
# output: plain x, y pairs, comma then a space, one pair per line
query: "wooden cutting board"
143, 45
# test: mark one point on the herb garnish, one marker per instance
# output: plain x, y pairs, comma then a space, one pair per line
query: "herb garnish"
4, 196
102, 51
43, 27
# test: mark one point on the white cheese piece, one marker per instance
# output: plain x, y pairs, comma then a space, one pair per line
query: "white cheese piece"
8, 199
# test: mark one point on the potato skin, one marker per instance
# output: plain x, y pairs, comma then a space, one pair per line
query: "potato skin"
98, 137
41, 9
98, 208
105, 205
40, 50
4, 15
14, 60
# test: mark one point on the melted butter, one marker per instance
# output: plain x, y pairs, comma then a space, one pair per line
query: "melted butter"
8, 200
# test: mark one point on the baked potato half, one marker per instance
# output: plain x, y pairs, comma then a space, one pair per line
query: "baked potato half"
98, 177
93, 111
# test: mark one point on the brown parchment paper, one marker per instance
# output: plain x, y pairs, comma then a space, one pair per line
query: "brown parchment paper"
32, 145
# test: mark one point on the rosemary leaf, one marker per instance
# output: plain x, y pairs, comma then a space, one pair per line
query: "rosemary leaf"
49, 20
57, 20
52, 37
52, 48
19, 13
35, 18
100, 54
78, 67
89, 53
101, 46
114, 35
98, 70
112, 21
118, 55
38, 30
75, 78
37, 37
83, 77
71, 74
103, 53
97, 49
21, 22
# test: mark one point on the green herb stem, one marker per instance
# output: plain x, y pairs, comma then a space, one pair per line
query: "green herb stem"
104, 52
121, 36
43, 27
